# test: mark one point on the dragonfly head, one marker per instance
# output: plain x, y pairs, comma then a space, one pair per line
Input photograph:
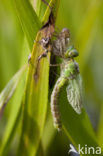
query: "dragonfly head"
71, 52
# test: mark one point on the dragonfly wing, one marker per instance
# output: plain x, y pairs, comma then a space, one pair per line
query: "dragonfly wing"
74, 93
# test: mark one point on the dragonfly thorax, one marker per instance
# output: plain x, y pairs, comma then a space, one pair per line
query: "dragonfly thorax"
69, 67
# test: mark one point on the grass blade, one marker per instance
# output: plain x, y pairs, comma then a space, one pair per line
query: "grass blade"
9, 90
77, 127
15, 113
40, 8
35, 105
29, 20
54, 5
35, 100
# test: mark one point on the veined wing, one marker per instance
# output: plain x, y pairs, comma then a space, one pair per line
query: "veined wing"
74, 93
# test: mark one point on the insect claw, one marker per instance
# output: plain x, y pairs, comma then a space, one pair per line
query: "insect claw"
42, 55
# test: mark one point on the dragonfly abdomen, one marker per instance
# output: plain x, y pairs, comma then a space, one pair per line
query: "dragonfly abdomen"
55, 105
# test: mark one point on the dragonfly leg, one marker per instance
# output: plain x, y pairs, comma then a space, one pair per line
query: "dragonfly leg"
43, 55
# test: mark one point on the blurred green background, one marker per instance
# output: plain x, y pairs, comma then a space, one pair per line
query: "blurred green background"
84, 18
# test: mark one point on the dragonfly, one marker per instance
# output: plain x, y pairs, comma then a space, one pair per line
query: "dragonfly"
69, 75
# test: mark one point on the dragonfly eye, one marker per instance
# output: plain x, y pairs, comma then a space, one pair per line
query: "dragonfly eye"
71, 52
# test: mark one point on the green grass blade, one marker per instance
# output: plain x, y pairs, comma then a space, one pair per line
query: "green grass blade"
43, 10
35, 101
77, 127
15, 109
9, 90
10, 130
40, 9
14, 115
49, 133
29, 20
35, 105
54, 5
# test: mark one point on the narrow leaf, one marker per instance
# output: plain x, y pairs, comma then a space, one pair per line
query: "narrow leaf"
35, 99
29, 20
40, 8
35, 104
77, 127
54, 6
9, 90
14, 118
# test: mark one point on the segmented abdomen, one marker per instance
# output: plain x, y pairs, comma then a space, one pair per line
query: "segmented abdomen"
55, 105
